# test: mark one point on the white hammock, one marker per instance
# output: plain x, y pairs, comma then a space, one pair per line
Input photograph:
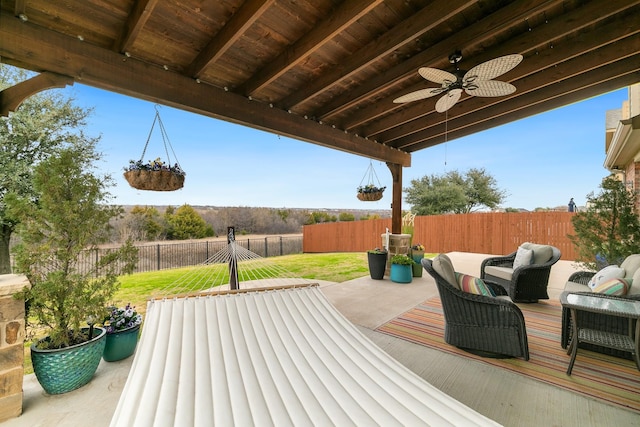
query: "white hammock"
271, 358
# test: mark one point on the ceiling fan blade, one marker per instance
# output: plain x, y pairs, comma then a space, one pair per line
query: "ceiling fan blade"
435, 75
448, 100
418, 94
493, 68
489, 88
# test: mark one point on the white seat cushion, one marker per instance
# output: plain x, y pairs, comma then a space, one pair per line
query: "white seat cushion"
541, 253
505, 273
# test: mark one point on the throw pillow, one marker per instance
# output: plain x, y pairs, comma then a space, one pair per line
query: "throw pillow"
523, 257
617, 287
473, 285
609, 272
444, 267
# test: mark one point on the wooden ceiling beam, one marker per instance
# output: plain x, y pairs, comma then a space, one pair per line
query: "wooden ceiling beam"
136, 21
527, 43
474, 35
13, 96
247, 15
576, 57
39, 48
406, 32
626, 66
348, 13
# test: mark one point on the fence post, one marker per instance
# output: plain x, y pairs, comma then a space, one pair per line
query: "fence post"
158, 255
207, 252
280, 245
266, 248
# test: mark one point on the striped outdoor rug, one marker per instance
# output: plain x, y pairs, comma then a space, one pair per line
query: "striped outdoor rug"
596, 375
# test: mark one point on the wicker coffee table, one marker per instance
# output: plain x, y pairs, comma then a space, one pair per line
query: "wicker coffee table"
604, 304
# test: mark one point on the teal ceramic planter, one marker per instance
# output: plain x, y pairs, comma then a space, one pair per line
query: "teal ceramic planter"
63, 370
401, 273
121, 344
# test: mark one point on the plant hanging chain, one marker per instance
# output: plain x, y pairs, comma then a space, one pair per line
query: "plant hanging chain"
165, 139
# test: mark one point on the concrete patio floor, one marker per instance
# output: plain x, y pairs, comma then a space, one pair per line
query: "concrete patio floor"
506, 397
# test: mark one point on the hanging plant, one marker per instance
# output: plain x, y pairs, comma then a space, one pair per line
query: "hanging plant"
373, 190
155, 175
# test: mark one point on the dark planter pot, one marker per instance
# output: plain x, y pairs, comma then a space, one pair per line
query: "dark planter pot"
377, 265
401, 273
121, 344
63, 370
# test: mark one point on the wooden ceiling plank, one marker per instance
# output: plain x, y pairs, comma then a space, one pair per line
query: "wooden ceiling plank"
624, 66
348, 13
136, 21
39, 49
246, 16
476, 34
411, 119
524, 43
403, 33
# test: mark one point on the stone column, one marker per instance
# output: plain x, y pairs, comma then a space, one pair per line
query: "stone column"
398, 244
12, 332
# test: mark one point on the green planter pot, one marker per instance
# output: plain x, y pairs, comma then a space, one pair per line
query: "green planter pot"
401, 273
63, 370
121, 344
416, 269
377, 265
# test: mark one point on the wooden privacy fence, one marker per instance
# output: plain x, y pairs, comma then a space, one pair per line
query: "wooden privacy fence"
485, 233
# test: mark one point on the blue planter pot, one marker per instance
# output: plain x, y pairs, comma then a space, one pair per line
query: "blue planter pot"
62, 370
121, 344
401, 273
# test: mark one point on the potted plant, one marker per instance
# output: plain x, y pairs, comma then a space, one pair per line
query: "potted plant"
370, 193
68, 290
122, 325
417, 253
401, 268
377, 259
154, 175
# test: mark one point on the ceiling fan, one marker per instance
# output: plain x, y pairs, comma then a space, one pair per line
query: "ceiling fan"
475, 82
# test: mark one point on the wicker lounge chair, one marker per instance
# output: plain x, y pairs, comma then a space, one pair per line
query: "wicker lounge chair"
486, 325
577, 283
526, 283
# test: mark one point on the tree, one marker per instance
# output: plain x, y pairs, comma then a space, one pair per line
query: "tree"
608, 230
68, 216
185, 223
454, 193
145, 223
40, 126
346, 216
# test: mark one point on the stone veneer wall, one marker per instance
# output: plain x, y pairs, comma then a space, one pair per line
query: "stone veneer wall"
398, 244
12, 332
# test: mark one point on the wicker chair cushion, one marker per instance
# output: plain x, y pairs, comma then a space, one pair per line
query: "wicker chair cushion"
609, 272
500, 272
541, 253
473, 285
618, 287
631, 264
524, 256
444, 267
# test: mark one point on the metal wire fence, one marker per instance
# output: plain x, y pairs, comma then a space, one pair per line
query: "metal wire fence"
162, 256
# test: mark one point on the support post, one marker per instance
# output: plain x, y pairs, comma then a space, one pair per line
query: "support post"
233, 258
396, 201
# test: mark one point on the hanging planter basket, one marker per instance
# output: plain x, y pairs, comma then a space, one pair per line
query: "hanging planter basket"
370, 197
372, 191
155, 175
162, 180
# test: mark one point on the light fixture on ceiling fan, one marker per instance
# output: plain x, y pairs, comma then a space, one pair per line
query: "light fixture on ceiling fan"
475, 82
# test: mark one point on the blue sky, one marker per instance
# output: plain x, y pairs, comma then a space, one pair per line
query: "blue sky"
541, 161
